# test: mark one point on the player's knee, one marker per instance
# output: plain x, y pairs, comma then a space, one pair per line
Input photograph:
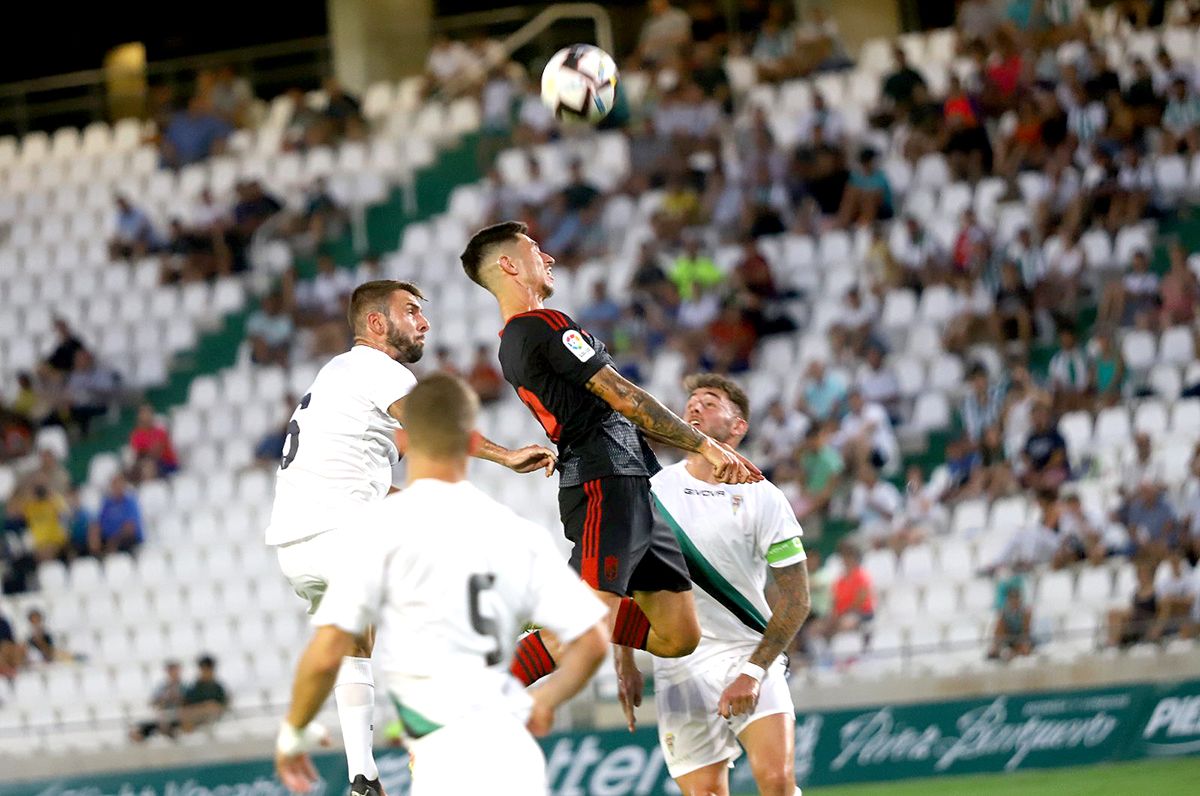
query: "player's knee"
776, 782
680, 643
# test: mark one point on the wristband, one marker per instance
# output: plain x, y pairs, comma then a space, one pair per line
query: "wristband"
290, 741
753, 670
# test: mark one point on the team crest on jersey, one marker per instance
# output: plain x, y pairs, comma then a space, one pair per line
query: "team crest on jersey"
737, 502
669, 740
575, 343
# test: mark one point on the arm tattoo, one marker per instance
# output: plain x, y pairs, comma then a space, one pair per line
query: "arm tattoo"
491, 452
644, 410
787, 614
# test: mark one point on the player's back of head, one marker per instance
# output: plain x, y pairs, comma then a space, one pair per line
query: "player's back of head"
374, 296
484, 243
439, 416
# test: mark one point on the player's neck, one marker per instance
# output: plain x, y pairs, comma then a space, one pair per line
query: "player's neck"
420, 467
378, 346
699, 468
517, 303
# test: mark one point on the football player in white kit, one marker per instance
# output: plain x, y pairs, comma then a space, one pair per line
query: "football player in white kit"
732, 688
449, 576
337, 459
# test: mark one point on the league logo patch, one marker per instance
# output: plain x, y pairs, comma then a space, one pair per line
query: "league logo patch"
611, 567
575, 343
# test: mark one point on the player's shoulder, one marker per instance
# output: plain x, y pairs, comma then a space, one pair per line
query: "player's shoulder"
539, 322
670, 475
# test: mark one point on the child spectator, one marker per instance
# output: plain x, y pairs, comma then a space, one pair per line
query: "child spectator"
151, 444
1011, 636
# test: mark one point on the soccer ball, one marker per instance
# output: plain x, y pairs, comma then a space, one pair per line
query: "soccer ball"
579, 84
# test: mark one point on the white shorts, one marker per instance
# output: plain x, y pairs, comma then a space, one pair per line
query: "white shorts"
691, 732
492, 754
309, 563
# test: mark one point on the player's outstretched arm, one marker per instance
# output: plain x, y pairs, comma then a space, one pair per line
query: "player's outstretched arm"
662, 425
315, 676
521, 460
577, 663
787, 615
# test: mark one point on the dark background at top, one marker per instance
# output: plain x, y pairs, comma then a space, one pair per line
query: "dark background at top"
48, 38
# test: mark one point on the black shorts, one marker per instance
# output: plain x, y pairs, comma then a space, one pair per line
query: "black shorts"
621, 545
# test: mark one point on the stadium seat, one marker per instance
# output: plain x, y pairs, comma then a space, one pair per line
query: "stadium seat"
1113, 427
1150, 417
916, 564
931, 412
1176, 346
881, 565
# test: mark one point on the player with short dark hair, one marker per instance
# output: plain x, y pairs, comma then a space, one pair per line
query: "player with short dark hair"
600, 422
338, 458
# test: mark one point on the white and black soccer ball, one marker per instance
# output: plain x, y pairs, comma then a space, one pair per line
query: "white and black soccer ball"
579, 84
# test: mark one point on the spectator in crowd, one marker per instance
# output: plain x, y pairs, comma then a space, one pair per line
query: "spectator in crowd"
135, 235
853, 594
118, 526
664, 33
821, 577
876, 506
865, 435
1107, 371
12, 654
342, 108
601, 314
1144, 618
924, 514
484, 378
1012, 636
41, 642
29, 404
868, 197
194, 134
983, 404
1148, 516
167, 701
205, 700
1181, 118
231, 96
1035, 543
270, 330
821, 468
91, 390
1137, 464
693, 270
850, 330
1045, 454
1083, 533
1070, 375
79, 524
151, 444
444, 361
1180, 290
450, 65
824, 394
877, 383
321, 220
321, 306
254, 207
898, 85
779, 433
45, 518
1134, 300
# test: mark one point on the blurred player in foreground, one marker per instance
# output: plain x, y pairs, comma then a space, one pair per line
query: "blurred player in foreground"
732, 688
338, 459
600, 422
449, 576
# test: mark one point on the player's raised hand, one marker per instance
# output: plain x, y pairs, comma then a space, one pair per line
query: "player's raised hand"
739, 697
729, 466
530, 458
630, 685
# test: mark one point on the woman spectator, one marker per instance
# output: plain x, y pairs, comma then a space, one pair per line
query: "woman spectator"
1107, 371
853, 594
45, 513
151, 444
1180, 291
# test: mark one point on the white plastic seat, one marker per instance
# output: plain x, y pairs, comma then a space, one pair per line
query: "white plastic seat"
1054, 592
1113, 427
1185, 419
1094, 586
931, 412
1097, 249
1076, 430
899, 309
978, 597
910, 375
1008, 514
970, 517
916, 564
925, 341
1138, 350
954, 560
902, 604
846, 646
1151, 418
881, 566
1165, 381
1176, 346
940, 600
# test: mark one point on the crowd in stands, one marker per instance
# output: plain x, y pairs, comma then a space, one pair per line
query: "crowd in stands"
182, 708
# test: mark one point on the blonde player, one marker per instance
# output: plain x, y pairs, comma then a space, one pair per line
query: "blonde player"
732, 688
338, 459
450, 576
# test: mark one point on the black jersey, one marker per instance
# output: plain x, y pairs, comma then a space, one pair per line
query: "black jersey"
548, 360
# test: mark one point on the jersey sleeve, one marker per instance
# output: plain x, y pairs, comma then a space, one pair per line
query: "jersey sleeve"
354, 595
779, 532
568, 351
388, 385
557, 598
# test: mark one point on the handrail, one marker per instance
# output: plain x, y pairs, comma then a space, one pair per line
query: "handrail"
534, 27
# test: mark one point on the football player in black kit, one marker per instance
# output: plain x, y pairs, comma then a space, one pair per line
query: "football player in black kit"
600, 422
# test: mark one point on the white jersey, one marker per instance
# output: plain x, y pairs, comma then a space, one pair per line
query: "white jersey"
729, 534
450, 577
340, 446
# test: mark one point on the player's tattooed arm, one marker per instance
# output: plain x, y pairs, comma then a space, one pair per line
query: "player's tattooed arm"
644, 410
787, 614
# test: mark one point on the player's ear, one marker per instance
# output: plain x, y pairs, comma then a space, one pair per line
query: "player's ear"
506, 264
739, 427
474, 443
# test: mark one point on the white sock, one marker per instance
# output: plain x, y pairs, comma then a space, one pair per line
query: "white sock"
355, 695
